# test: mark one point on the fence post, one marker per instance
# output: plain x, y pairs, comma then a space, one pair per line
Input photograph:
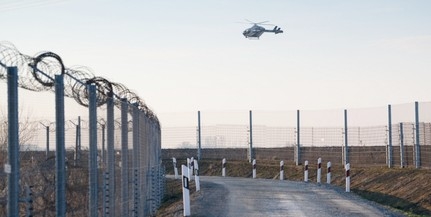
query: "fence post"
111, 151
47, 142
417, 137
390, 150
223, 171
124, 158
328, 175
137, 210
251, 154
281, 170
319, 170
298, 138
306, 171
199, 136
92, 160
12, 167
60, 147
346, 140
402, 145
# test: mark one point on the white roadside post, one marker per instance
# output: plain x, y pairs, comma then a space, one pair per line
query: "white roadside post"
319, 170
281, 170
254, 168
223, 171
328, 175
186, 191
174, 161
188, 168
348, 177
306, 171
197, 183
192, 160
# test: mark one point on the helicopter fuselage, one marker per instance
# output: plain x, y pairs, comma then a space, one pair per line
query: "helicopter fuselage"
256, 31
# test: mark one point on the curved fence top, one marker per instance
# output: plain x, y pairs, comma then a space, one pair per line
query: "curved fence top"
37, 74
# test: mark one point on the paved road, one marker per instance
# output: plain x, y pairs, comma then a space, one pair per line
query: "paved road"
227, 196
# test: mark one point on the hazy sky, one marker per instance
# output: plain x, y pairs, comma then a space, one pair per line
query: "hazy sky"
191, 55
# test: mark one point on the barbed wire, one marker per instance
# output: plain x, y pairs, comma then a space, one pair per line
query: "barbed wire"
37, 74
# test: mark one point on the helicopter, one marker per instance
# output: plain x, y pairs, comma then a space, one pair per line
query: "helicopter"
257, 30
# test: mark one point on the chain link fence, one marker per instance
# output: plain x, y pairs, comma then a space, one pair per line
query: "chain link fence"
394, 135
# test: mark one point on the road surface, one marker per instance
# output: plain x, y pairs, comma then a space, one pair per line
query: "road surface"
228, 196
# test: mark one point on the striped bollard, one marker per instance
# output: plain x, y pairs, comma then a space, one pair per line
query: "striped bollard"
174, 161
192, 161
197, 182
306, 171
254, 168
328, 175
223, 171
281, 170
188, 168
347, 177
186, 191
319, 170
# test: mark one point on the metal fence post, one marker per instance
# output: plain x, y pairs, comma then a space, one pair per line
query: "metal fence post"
402, 145
298, 139
92, 160
199, 136
251, 154
417, 137
60, 196
13, 143
136, 178
111, 152
390, 150
124, 158
346, 140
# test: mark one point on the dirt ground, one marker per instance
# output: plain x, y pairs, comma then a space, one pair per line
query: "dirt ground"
406, 189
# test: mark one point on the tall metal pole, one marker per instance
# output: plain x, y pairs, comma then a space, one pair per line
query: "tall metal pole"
298, 138
417, 144
60, 196
79, 138
111, 153
92, 160
199, 136
390, 150
346, 146
401, 145
251, 137
13, 143
136, 178
124, 158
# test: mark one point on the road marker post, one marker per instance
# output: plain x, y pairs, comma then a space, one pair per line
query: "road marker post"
188, 168
306, 171
281, 170
186, 191
254, 168
347, 177
328, 175
174, 161
223, 171
197, 182
319, 170
192, 161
